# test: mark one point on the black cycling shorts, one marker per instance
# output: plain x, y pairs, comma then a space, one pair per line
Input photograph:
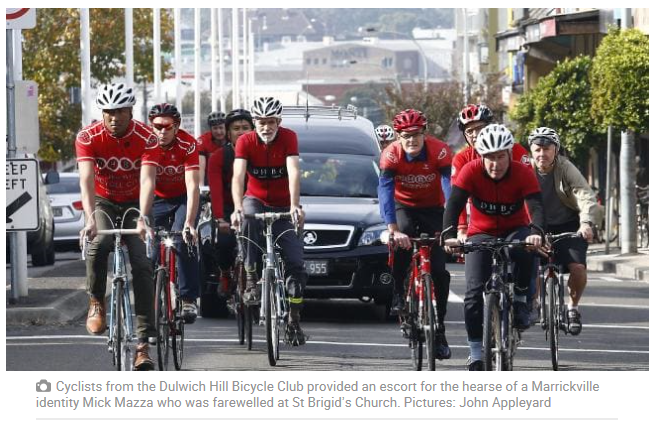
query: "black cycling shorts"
570, 250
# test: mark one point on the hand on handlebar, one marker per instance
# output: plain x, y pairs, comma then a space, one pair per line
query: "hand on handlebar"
298, 216
144, 230
401, 240
189, 234
535, 240
450, 245
236, 219
88, 232
586, 231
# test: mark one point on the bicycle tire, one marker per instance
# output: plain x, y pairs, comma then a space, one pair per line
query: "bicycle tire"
125, 349
240, 308
430, 322
553, 321
162, 323
179, 332
415, 338
118, 325
492, 354
271, 324
249, 325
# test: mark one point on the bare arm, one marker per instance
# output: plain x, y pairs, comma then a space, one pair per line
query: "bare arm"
202, 170
147, 185
237, 186
87, 187
292, 163
192, 189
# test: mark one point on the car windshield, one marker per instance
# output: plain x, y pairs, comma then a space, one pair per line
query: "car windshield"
338, 175
65, 185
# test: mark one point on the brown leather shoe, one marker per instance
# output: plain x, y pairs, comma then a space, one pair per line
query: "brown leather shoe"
96, 319
142, 362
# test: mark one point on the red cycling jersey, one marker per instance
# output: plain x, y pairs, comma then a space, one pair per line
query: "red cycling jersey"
266, 165
117, 160
497, 206
417, 183
220, 174
205, 144
179, 157
468, 154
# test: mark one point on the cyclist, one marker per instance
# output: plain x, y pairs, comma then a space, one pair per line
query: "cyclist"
117, 160
220, 174
210, 141
385, 135
177, 197
412, 202
570, 205
269, 156
498, 188
472, 119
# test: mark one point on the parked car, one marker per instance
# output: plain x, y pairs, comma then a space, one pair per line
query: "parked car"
40, 243
339, 158
65, 198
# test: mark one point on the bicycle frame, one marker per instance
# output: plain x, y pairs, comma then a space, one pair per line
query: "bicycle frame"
273, 261
119, 277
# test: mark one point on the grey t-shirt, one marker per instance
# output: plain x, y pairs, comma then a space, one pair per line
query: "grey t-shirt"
556, 212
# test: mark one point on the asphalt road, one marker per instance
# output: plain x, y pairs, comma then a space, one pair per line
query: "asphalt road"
350, 335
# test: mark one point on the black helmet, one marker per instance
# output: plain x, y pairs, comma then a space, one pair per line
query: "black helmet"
216, 118
238, 114
164, 110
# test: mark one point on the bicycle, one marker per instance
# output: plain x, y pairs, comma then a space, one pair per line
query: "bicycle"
244, 314
273, 305
170, 325
120, 325
552, 312
500, 338
420, 321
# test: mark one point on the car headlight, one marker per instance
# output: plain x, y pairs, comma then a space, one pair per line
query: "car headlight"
371, 236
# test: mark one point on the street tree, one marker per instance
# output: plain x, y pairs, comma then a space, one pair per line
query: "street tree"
561, 100
51, 58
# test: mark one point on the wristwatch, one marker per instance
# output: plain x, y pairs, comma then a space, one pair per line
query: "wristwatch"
589, 223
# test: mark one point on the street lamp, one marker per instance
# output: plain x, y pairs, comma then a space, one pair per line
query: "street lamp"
422, 53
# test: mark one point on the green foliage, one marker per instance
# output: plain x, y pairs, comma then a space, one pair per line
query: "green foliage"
562, 101
51, 58
621, 81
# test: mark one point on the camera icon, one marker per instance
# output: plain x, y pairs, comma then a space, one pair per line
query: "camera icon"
43, 386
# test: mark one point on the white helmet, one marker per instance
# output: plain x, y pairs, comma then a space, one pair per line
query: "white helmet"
385, 133
544, 136
115, 95
494, 138
266, 107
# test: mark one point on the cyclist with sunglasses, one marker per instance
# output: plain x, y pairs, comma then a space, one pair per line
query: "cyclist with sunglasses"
412, 202
118, 157
177, 197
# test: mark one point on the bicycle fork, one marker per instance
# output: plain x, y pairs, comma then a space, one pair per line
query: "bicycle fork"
119, 279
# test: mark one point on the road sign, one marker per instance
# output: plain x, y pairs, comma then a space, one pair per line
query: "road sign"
21, 18
22, 195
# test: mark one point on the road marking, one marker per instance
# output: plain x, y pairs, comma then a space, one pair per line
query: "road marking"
635, 306
454, 298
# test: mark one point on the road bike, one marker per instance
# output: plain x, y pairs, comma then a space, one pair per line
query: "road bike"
274, 304
168, 306
500, 337
551, 289
120, 324
420, 322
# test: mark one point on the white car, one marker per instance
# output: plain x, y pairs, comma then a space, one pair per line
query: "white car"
65, 198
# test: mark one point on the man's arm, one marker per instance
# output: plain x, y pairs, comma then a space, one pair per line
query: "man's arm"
87, 187
202, 169
192, 191
585, 196
147, 186
294, 180
237, 187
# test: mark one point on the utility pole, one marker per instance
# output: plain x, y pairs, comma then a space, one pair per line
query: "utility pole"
627, 178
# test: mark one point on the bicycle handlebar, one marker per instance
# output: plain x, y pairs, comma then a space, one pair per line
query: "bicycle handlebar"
491, 245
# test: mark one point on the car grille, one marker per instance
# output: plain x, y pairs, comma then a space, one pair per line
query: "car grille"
323, 236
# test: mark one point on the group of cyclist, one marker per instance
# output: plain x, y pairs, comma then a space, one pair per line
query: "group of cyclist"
151, 174
491, 189
251, 164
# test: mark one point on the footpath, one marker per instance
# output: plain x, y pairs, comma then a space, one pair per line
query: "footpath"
58, 296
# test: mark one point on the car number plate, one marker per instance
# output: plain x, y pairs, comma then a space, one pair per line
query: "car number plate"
317, 267
57, 211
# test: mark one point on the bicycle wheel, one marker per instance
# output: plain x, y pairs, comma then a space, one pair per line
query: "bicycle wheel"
415, 337
117, 325
271, 322
162, 325
179, 332
491, 336
126, 355
553, 320
430, 321
240, 308
249, 325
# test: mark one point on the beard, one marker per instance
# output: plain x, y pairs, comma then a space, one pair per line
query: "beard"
266, 137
